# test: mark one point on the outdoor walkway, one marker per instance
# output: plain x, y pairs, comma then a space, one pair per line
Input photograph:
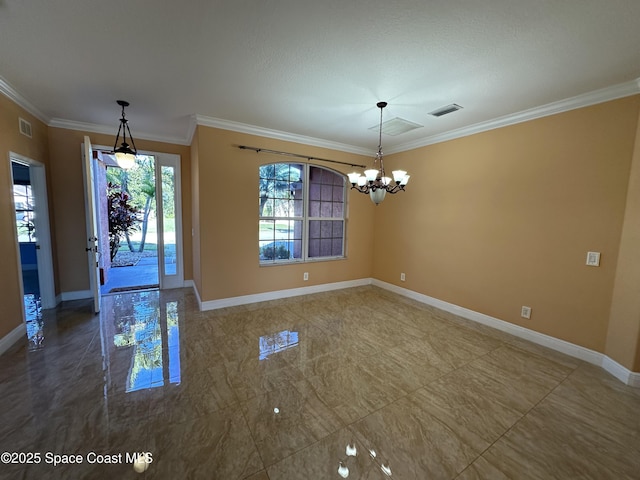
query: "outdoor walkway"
143, 274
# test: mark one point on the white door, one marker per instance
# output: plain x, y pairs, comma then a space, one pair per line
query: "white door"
92, 226
169, 208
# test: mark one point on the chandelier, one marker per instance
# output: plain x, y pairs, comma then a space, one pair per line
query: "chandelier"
125, 156
374, 181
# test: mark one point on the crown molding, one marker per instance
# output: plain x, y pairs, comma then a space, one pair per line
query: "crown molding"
591, 98
278, 135
12, 94
111, 130
191, 130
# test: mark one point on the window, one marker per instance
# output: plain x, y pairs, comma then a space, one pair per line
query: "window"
302, 213
25, 213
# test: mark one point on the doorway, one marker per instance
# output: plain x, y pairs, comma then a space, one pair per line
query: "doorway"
33, 243
131, 218
147, 253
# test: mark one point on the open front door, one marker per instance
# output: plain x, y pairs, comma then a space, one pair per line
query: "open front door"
92, 226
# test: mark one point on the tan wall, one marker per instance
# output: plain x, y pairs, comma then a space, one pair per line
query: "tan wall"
68, 198
623, 339
34, 148
228, 220
505, 218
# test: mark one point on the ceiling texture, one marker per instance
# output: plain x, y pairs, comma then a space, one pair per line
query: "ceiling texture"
313, 71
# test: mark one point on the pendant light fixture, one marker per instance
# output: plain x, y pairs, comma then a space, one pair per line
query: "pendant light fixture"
125, 156
374, 181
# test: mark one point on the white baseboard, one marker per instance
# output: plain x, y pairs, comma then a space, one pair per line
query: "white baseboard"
12, 337
188, 284
620, 372
77, 295
292, 292
596, 358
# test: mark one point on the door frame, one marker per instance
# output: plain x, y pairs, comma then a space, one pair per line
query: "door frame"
170, 160
44, 255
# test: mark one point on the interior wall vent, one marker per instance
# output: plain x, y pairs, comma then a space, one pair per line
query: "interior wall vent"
25, 127
397, 126
438, 112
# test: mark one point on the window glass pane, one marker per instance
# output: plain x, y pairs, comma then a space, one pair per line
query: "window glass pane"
327, 192
281, 191
297, 248
25, 215
325, 228
314, 191
267, 230
314, 247
283, 208
168, 219
315, 175
314, 229
266, 207
314, 209
336, 247
338, 193
338, 228
325, 209
325, 247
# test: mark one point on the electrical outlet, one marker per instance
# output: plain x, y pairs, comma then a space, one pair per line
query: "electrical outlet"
525, 312
305, 276
593, 259
402, 277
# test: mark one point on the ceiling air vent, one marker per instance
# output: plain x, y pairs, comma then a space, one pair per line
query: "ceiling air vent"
25, 127
397, 126
438, 112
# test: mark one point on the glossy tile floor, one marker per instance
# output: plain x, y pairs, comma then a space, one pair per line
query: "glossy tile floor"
357, 384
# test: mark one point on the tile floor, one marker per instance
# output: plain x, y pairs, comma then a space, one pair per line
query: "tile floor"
357, 384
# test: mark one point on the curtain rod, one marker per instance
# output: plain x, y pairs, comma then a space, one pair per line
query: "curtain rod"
307, 157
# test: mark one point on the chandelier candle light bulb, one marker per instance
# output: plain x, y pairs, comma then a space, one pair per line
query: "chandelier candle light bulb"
374, 181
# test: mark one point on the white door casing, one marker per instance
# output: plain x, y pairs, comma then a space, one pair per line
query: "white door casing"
44, 255
92, 226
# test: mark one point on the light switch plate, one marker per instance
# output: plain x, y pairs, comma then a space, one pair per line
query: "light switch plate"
593, 259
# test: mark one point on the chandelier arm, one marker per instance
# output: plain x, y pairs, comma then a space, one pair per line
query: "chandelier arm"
395, 189
133, 144
115, 145
361, 189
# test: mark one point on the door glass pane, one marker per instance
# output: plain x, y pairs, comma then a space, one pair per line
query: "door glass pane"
169, 219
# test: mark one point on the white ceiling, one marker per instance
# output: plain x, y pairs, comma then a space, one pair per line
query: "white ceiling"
310, 68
